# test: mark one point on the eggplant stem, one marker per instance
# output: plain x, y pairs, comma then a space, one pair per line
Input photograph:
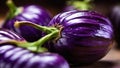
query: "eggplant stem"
45, 29
35, 46
12, 8
11, 5
46, 38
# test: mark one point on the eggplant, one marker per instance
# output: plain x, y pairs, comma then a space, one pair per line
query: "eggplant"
85, 36
16, 57
15, 53
32, 13
114, 16
81, 37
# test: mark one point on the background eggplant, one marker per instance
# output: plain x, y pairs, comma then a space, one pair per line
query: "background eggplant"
85, 37
114, 16
32, 13
14, 56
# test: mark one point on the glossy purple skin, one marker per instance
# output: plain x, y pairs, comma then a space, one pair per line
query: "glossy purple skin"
16, 57
86, 36
115, 19
32, 13
12, 56
6, 34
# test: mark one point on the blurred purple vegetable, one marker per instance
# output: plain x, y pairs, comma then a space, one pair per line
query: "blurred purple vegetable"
15, 52
115, 19
32, 13
85, 36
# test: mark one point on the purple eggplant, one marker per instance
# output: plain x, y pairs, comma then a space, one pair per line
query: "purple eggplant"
115, 19
32, 13
85, 36
16, 57
19, 55
82, 37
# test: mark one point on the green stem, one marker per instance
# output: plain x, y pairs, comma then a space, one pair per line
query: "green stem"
39, 27
46, 38
34, 46
37, 45
13, 9
81, 5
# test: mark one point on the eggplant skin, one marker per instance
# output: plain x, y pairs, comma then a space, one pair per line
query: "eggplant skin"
6, 34
33, 13
16, 57
86, 36
12, 56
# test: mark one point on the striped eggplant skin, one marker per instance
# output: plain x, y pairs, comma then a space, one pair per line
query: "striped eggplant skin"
16, 57
6, 34
86, 36
33, 13
12, 56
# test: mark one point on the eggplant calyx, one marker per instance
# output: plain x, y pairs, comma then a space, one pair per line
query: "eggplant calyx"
55, 29
81, 5
52, 33
60, 28
18, 11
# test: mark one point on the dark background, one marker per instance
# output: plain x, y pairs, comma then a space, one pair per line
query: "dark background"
55, 6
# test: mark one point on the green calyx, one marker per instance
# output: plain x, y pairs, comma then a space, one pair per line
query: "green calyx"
80, 4
35, 46
13, 10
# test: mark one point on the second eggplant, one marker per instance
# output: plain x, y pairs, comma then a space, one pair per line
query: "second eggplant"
32, 13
